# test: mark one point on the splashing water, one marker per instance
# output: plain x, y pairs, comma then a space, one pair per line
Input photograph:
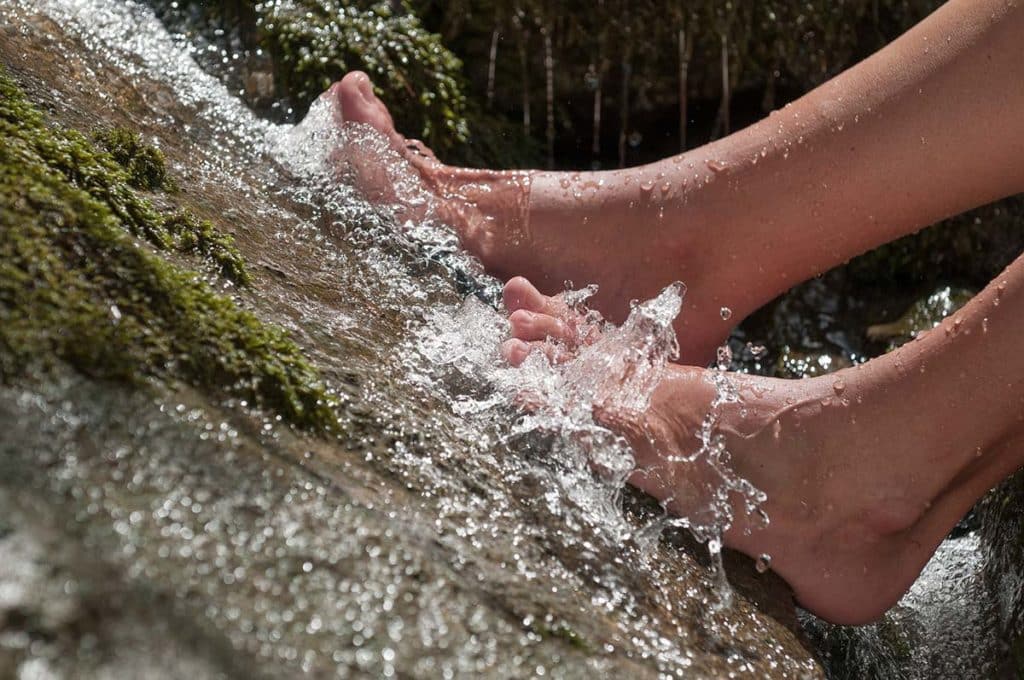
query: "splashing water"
617, 373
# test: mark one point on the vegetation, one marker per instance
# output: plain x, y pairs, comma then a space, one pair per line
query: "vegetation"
76, 284
615, 82
145, 164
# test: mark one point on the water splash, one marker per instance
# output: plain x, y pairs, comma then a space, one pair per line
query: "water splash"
616, 374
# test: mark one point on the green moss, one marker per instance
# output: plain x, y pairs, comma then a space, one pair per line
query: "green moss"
75, 285
145, 164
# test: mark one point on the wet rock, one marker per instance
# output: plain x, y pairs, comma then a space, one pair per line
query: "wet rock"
923, 315
1002, 520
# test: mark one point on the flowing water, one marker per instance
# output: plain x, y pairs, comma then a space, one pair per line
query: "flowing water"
449, 533
452, 532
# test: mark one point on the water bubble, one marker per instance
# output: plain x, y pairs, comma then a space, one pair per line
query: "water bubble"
725, 313
763, 563
724, 358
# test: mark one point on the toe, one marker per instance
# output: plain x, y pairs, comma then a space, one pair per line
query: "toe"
521, 294
515, 351
527, 325
360, 105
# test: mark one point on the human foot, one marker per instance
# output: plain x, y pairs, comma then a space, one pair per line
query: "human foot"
865, 470
614, 229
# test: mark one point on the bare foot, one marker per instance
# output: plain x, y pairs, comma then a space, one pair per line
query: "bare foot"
559, 227
864, 474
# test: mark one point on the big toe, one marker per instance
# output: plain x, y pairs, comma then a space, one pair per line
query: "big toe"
358, 103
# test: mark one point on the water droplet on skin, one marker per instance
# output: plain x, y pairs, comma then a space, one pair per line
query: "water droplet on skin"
665, 188
984, 325
839, 386
763, 563
646, 187
726, 313
564, 182
715, 165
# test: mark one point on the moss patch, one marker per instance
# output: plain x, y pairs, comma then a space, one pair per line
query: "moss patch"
76, 285
145, 164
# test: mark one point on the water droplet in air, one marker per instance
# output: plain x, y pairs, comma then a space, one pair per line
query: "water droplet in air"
726, 313
724, 357
756, 351
763, 563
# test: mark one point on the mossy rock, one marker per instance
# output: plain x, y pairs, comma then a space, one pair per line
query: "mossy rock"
294, 51
145, 164
84, 278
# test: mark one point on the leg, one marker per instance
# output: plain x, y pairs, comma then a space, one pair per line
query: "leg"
867, 469
925, 128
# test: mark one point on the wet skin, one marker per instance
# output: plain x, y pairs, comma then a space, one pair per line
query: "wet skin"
867, 469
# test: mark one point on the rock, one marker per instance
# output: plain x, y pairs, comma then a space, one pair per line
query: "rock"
923, 315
